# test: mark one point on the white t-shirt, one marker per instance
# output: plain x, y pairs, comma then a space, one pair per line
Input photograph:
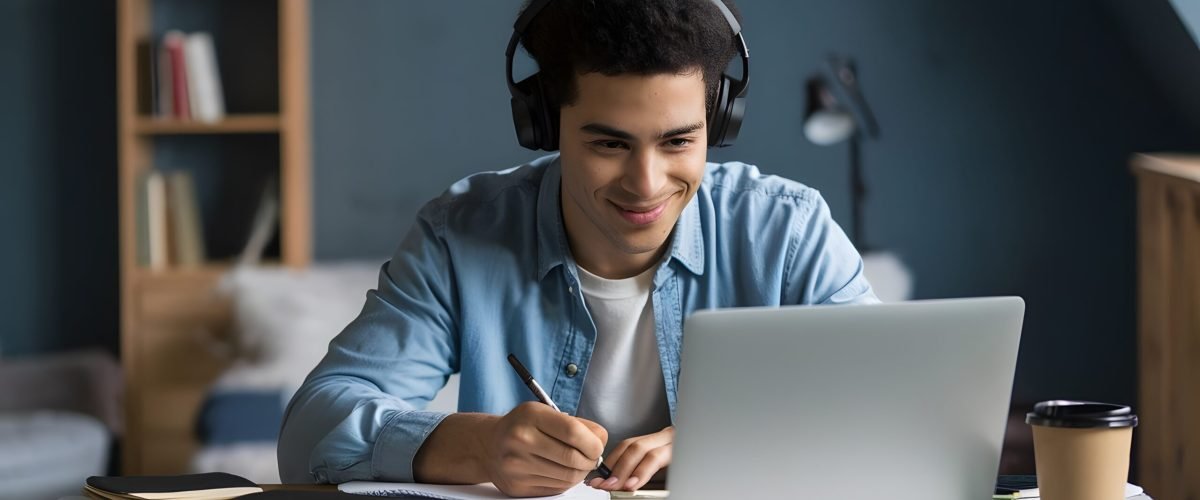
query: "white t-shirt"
624, 390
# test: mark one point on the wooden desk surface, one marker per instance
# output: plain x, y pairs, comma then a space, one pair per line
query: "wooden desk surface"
299, 487
330, 487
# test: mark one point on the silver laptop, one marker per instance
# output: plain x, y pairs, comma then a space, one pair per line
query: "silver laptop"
897, 401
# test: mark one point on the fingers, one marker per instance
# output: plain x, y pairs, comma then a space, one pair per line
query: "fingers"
559, 453
655, 461
528, 487
596, 429
547, 473
633, 454
535, 450
523, 472
574, 433
635, 461
615, 456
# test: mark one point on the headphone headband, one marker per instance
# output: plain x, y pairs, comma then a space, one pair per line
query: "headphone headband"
535, 125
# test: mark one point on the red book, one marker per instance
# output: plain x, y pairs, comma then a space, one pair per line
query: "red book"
180, 105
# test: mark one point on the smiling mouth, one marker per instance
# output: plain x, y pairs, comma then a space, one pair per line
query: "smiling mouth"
641, 216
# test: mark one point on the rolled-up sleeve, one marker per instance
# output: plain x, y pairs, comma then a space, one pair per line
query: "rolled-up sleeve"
358, 415
823, 265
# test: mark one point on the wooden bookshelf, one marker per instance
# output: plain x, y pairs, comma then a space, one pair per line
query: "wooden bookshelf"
173, 320
207, 272
235, 124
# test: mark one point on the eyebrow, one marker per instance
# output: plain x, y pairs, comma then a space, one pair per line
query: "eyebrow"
598, 128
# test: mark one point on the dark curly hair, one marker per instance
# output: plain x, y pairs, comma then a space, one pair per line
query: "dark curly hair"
613, 37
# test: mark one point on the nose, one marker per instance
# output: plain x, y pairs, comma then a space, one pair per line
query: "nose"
644, 174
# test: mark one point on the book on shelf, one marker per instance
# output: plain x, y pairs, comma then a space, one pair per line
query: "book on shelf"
265, 219
187, 234
204, 81
180, 103
169, 228
147, 85
164, 94
185, 78
152, 220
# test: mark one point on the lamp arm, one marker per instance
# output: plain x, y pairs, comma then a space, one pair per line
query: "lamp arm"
858, 195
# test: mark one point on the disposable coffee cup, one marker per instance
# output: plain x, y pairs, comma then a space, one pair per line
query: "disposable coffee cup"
1082, 449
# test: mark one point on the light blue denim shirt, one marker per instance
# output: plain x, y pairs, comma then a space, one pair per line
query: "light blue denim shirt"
486, 270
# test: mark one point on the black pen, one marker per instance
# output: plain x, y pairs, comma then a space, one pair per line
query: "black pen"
545, 398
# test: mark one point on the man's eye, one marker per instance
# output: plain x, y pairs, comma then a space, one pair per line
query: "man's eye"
609, 144
679, 143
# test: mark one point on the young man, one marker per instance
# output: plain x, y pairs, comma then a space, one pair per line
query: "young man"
583, 264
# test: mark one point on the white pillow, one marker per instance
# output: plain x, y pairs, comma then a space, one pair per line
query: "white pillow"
284, 319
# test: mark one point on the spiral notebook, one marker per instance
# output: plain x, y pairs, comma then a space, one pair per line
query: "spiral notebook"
459, 491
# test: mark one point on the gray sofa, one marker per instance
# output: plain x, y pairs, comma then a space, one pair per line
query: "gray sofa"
59, 415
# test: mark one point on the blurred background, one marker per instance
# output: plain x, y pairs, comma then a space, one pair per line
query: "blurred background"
1002, 165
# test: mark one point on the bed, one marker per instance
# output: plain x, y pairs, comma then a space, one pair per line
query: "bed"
283, 322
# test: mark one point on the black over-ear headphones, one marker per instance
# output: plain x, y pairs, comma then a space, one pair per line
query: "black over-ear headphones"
537, 124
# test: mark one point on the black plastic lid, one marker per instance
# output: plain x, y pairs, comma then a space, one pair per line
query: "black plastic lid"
1081, 415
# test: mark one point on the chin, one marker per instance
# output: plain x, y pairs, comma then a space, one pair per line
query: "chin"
636, 245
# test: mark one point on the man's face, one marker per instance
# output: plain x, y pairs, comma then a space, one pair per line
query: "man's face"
633, 153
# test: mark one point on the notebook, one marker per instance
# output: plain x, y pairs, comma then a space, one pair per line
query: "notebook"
485, 491
300, 495
208, 486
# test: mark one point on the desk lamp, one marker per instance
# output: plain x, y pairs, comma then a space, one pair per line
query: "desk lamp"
836, 111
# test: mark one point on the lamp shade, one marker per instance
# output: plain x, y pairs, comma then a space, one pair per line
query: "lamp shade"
829, 126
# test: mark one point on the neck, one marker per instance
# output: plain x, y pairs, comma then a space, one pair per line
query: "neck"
594, 252
605, 266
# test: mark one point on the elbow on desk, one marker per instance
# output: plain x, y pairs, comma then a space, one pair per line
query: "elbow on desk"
297, 442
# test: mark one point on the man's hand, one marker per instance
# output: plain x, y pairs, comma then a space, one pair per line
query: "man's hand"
636, 460
536, 451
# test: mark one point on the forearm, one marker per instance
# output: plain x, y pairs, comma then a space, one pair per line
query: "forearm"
340, 429
454, 453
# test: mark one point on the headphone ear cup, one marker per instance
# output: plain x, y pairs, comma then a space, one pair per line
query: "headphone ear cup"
727, 112
531, 118
733, 121
525, 113
548, 124
718, 115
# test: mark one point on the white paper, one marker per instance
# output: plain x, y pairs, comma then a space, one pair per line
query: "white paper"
460, 492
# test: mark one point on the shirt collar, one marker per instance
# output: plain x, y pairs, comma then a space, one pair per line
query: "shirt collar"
687, 242
551, 235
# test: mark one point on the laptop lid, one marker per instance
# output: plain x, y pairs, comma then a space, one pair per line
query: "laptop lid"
899, 401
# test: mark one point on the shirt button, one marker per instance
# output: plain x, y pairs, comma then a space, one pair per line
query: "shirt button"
572, 369
571, 289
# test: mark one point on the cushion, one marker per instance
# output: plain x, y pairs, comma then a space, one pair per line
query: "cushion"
48, 454
240, 416
284, 319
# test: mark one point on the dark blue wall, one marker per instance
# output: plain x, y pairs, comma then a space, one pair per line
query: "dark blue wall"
407, 98
1001, 169
58, 175
1165, 43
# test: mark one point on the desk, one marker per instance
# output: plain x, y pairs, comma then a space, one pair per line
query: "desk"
330, 487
